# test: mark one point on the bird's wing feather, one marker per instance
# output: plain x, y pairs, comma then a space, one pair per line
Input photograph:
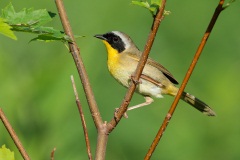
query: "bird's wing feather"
156, 65
162, 69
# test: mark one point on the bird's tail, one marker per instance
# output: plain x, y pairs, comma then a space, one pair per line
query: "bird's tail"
198, 104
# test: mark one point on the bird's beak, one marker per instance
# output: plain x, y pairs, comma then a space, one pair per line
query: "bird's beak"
100, 36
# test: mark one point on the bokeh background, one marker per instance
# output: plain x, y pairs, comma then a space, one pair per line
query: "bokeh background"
37, 96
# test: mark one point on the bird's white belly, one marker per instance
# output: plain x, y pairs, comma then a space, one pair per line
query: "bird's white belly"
149, 89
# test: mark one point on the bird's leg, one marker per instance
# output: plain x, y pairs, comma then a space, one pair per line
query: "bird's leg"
148, 100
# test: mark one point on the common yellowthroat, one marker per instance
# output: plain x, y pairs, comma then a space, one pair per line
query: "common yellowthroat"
123, 57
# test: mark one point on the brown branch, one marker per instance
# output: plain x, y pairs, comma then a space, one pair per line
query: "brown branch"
80, 66
186, 78
82, 119
157, 20
102, 136
13, 135
101, 143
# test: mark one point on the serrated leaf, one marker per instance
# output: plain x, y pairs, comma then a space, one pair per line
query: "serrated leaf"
141, 4
32, 21
5, 29
8, 11
6, 154
151, 7
26, 17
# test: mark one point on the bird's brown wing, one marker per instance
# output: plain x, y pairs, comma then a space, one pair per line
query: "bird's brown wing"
162, 69
156, 65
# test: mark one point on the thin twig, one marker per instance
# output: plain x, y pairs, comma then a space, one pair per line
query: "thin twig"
52, 153
157, 21
13, 135
184, 83
75, 51
82, 119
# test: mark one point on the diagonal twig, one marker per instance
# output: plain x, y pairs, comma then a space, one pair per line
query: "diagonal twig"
157, 20
13, 135
82, 119
154, 144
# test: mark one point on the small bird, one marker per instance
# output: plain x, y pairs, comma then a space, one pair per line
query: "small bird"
155, 80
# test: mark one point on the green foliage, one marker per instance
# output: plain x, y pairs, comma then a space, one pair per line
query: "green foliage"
31, 21
6, 154
5, 29
152, 6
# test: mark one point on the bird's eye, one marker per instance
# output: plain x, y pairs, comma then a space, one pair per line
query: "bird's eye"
115, 39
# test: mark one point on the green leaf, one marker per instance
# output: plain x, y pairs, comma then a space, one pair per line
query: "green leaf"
6, 154
5, 29
49, 34
142, 4
153, 6
8, 11
26, 16
32, 21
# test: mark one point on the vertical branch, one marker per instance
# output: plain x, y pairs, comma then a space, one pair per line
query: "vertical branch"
167, 119
157, 20
101, 143
13, 135
82, 119
102, 136
75, 51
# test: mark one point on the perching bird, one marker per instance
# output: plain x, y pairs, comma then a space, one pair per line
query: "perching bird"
155, 80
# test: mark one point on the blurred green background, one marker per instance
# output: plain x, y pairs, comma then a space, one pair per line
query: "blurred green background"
37, 97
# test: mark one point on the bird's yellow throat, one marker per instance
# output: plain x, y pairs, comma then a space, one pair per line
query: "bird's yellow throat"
113, 57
